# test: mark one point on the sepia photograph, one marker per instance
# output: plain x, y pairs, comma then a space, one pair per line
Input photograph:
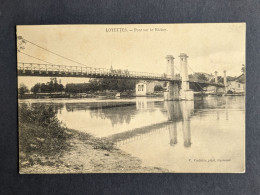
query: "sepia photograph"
131, 98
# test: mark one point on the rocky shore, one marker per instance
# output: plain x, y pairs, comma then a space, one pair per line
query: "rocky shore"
83, 154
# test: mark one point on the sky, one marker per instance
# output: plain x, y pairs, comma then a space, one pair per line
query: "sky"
210, 47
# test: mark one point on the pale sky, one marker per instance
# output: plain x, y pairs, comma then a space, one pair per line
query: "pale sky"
210, 47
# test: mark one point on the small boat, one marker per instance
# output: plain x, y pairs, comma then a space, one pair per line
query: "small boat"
117, 95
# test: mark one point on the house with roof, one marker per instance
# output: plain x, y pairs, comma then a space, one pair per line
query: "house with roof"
236, 85
144, 88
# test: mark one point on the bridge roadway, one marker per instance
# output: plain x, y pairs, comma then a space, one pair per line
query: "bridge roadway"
51, 70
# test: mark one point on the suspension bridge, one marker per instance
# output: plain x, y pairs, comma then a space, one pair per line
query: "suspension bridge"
53, 70
178, 86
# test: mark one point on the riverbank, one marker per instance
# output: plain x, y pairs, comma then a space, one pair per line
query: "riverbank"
111, 94
84, 154
100, 95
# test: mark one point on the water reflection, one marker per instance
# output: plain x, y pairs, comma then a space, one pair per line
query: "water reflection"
141, 104
180, 111
138, 117
179, 114
226, 115
103, 119
187, 110
173, 134
194, 130
213, 102
177, 111
117, 115
116, 112
161, 132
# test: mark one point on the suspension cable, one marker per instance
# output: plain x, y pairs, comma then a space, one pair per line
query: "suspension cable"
53, 52
34, 57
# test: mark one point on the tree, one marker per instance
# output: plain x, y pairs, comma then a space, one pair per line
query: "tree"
158, 88
113, 84
125, 85
243, 68
77, 88
94, 85
202, 77
20, 43
54, 86
36, 88
22, 89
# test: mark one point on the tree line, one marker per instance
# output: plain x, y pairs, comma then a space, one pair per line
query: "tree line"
49, 87
94, 85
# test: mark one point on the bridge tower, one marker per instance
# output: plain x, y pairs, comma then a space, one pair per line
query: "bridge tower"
186, 93
172, 89
170, 66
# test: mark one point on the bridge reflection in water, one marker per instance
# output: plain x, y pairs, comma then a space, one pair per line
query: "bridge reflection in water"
177, 112
180, 111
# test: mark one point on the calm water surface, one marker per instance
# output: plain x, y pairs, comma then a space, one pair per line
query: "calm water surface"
207, 135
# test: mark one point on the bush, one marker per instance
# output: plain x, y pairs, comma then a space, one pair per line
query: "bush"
40, 131
43, 115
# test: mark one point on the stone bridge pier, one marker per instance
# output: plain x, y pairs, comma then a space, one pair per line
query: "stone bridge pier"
174, 91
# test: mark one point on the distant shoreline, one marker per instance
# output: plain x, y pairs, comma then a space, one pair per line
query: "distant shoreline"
84, 95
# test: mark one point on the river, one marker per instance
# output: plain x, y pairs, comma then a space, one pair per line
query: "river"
205, 135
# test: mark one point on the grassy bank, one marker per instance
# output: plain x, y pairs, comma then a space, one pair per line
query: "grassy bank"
45, 146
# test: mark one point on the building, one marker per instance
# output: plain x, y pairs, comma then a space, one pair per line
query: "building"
236, 85
146, 87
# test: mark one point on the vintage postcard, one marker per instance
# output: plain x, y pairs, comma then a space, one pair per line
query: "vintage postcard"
139, 98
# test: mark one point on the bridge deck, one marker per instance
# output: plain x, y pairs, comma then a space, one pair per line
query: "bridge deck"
49, 70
